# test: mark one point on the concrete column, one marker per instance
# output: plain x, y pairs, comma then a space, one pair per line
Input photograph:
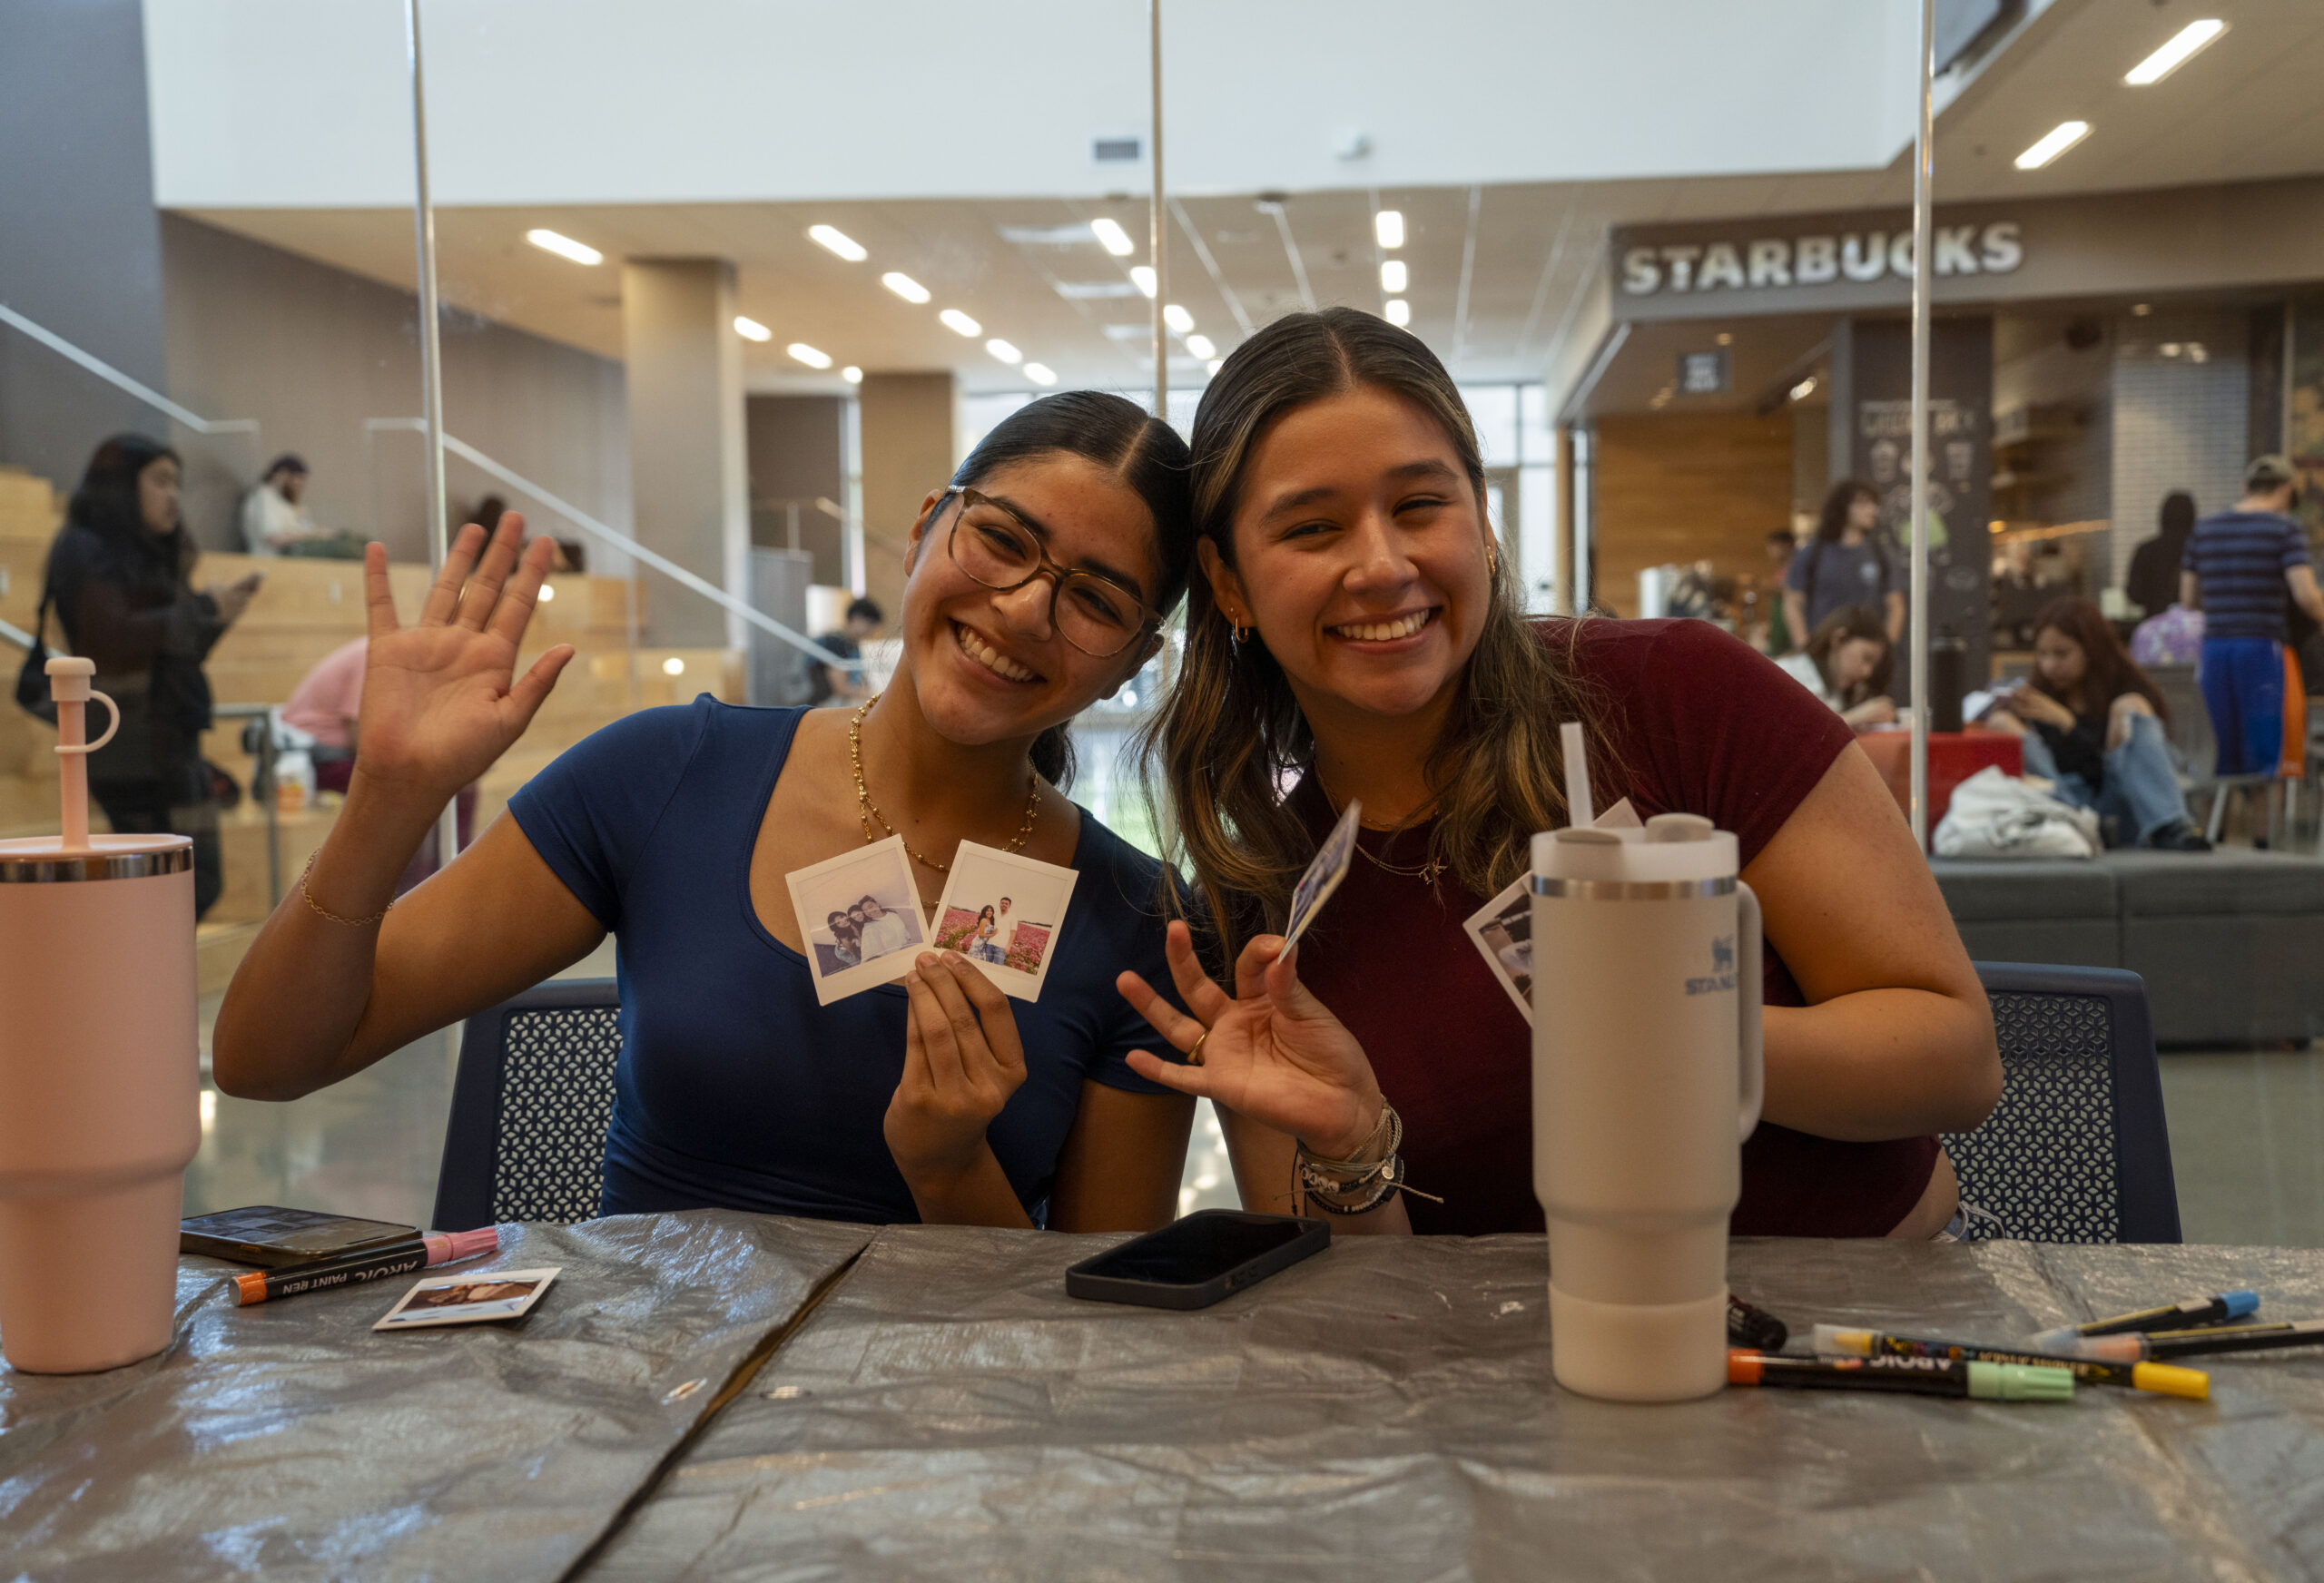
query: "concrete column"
689, 465
907, 428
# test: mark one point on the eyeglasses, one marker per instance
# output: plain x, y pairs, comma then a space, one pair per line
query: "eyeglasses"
995, 547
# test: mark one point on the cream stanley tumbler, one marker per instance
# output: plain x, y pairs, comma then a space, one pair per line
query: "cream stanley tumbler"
1646, 1078
99, 1073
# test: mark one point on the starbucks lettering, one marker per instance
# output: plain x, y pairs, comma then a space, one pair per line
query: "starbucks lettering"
1818, 259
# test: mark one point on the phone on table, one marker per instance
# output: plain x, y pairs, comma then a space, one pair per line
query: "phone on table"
271, 1237
1195, 1262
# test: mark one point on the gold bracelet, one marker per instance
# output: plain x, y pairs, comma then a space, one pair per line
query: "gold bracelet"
321, 912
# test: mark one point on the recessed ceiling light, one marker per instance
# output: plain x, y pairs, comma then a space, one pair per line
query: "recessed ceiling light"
851, 374
548, 592
808, 355
904, 286
2183, 46
673, 666
565, 247
1178, 318
960, 323
1112, 237
1399, 311
838, 241
1388, 225
1393, 276
1200, 346
1144, 275
1040, 373
751, 330
2060, 138
1003, 350
1804, 389
1215, 365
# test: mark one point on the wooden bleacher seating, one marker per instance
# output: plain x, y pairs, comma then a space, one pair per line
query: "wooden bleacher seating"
304, 610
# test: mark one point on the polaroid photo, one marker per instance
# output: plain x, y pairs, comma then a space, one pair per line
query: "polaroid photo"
859, 917
472, 1299
1003, 913
1502, 930
1323, 875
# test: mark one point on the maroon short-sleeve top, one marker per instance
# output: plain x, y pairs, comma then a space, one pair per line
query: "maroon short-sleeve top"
1696, 723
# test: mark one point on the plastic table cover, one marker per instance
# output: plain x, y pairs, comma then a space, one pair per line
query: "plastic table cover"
1385, 1410
292, 1442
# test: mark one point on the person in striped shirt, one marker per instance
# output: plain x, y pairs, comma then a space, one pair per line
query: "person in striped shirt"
2238, 566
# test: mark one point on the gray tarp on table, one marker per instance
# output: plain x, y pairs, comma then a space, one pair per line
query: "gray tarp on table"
1385, 1411
289, 1439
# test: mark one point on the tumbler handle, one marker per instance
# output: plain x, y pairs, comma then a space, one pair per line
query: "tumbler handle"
1749, 1004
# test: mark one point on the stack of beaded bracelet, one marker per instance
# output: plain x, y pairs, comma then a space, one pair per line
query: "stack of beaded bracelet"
1355, 1187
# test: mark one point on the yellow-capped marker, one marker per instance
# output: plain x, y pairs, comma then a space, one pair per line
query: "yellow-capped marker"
2162, 1379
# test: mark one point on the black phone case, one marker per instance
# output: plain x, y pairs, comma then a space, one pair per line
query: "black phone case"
1081, 1281
298, 1236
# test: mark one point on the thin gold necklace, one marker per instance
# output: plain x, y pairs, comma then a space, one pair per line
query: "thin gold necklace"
1426, 873
867, 810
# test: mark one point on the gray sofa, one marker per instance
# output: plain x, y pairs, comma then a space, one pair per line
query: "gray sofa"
2231, 944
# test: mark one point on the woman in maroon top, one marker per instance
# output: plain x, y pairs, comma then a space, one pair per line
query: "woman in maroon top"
1353, 633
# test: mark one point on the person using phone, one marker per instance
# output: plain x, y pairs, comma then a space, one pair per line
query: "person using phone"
120, 575
1036, 581
1354, 636
2092, 722
1846, 664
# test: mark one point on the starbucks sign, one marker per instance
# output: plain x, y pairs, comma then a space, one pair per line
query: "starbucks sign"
1773, 263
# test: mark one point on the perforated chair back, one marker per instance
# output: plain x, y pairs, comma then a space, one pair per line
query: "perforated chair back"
527, 1138
2077, 1151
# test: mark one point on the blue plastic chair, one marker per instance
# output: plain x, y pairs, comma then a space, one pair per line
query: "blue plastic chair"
526, 1137
2078, 1150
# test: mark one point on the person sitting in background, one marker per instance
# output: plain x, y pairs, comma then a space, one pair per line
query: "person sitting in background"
2237, 568
2093, 725
2152, 582
326, 704
1848, 562
1847, 664
275, 520
848, 685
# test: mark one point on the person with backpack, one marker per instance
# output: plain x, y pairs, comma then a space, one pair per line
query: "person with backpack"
1848, 562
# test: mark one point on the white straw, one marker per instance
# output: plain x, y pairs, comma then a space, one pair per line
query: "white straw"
1578, 812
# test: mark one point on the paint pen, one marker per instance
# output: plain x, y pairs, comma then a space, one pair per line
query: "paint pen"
1838, 1340
322, 1274
1902, 1376
1755, 1328
2189, 1343
2221, 1309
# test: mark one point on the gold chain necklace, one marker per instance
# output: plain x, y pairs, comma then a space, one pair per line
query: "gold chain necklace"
1426, 873
867, 810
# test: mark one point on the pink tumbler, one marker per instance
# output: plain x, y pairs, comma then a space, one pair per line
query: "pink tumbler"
100, 1074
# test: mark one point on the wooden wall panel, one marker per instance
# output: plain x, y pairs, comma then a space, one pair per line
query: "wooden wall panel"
1686, 487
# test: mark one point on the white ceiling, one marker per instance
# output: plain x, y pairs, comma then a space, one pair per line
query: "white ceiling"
1497, 272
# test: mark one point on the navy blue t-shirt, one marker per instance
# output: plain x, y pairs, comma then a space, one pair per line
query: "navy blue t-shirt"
736, 1090
2239, 559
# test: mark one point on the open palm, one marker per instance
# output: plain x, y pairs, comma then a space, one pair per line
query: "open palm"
441, 699
1273, 1051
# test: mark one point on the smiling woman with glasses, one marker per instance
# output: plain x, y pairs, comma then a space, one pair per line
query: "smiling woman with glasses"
1037, 583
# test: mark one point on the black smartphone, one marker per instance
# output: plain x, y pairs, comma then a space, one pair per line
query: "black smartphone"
1195, 1262
270, 1237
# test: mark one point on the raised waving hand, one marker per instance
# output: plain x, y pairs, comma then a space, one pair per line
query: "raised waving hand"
1271, 1052
441, 698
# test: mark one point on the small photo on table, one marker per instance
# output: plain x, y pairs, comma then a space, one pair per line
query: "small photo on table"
472, 1299
859, 915
1502, 930
1003, 913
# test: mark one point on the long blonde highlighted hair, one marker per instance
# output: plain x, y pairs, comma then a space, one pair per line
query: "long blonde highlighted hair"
1231, 734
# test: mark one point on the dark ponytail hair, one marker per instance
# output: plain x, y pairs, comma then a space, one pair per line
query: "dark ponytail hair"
1143, 451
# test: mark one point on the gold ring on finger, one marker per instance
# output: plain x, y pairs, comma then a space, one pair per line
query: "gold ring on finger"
1194, 1055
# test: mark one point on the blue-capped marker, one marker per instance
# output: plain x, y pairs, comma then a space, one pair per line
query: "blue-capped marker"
2223, 1309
